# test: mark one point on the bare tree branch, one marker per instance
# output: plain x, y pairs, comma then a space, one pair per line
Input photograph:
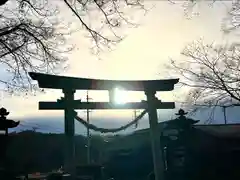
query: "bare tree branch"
110, 17
212, 74
31, 38
29, 42
231, 21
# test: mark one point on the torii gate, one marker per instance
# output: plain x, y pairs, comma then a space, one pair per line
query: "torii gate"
70, 84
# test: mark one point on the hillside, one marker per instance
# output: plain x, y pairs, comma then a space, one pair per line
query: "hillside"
34, 151
31, 151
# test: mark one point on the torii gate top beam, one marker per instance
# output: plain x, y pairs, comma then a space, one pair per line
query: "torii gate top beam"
64, 82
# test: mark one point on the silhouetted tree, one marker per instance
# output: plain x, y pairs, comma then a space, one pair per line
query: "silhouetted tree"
211, 72
231, 20
29, 42
33, 38
111, 14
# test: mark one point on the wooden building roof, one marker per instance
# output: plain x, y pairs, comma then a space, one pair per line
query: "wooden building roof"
221, 130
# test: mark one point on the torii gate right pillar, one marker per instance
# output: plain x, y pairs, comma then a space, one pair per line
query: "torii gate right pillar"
155, 136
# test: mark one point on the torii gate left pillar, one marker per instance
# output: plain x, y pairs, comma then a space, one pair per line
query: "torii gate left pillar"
69, 130
68, 104
158, 161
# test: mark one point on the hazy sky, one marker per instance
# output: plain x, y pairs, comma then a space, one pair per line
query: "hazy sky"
164, 31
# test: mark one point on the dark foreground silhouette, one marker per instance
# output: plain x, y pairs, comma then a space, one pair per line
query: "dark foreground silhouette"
199, 154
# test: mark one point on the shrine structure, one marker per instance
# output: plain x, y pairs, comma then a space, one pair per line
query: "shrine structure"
70, 84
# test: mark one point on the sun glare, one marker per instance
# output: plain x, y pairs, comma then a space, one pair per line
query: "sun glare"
120, 96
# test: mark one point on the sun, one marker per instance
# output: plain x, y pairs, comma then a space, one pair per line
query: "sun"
120, 96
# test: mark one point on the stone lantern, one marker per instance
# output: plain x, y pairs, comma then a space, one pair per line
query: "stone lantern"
181, 122
178, 150
5, 123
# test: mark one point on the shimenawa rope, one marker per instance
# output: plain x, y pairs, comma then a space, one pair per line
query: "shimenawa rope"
104, 130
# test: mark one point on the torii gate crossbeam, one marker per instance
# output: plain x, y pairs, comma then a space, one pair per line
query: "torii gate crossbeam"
70, 84
76, 104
